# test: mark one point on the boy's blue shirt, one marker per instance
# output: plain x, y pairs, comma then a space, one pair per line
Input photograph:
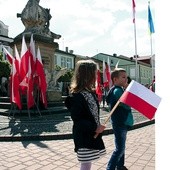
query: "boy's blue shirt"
120, 114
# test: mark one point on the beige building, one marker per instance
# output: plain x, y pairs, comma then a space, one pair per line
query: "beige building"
4, 39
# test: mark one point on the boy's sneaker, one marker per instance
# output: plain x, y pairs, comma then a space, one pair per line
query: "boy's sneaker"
122, 168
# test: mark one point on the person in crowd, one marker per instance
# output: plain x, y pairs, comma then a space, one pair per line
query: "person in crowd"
121, 119
83, 104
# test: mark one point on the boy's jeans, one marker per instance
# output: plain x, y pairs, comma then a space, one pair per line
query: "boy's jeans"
118, 156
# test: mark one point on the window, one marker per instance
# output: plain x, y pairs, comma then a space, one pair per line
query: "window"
65, 61
0, 29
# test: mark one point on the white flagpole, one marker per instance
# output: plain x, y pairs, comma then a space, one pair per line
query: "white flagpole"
152, 59
136, 61
134, 22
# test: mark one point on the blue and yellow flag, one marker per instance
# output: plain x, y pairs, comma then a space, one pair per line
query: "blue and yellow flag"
150, 21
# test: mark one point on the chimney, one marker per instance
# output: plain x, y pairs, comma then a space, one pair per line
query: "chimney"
71, 51
67, 49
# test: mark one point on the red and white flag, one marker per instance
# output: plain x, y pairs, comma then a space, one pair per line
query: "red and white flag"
32, 54
8, 55
98, 85
24, 59
141, 99
14, 81
106, 74
24, 66
133, 9
40, 73
17, 60
30, 96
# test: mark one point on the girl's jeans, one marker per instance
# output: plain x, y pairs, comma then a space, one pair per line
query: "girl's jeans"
118, 156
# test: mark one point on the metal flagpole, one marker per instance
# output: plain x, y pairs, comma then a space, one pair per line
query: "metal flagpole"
151, 30
152, 60
136, 61
134, 22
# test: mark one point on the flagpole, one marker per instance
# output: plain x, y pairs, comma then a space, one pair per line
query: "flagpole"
136, 61
151, 30
134, 22
152, 60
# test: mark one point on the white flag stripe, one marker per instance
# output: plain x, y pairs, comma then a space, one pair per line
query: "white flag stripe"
144, 93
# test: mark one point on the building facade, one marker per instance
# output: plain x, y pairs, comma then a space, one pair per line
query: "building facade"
139, 71
4, 39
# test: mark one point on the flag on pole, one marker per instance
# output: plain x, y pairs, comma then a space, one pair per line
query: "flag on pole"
141, 99
14, 81
41, 78
98, 85
17, 60
24, 59
24, 66
117, 64
106, 73
32, 54
133, 9
8, 55
30, 96
150, 21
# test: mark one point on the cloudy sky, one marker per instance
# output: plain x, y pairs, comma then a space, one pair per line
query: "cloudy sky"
89, 27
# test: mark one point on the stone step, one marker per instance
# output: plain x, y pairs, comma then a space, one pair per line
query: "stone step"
5, 103
34, 112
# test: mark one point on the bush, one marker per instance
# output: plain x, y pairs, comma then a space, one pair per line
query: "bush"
66, 77
5, 68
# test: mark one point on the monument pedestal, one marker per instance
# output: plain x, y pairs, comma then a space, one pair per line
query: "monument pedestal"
53, 96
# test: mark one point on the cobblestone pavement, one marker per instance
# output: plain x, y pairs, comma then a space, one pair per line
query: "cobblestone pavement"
59, 154
57, 125
44, 142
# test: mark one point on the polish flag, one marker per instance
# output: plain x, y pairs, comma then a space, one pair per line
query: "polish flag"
24, 59
14, 81
17, 59
106, 74
98, 85
24, 65
133, 9
30, 96
32, 54
8, 55
40, 73
141, 99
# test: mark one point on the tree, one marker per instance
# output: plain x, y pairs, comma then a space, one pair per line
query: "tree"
66, 77
5, 67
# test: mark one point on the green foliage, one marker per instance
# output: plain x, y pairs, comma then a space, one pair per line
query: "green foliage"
66, 77
1, 56
5, 69
57, 68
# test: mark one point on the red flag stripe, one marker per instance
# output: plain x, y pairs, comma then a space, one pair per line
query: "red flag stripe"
133, 7
139, 104
8, 55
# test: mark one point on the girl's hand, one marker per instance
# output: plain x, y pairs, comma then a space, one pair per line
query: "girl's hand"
100, 129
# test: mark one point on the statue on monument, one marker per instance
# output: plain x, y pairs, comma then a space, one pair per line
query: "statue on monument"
36, 19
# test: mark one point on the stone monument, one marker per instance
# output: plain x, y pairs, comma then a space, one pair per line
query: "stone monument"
36, 20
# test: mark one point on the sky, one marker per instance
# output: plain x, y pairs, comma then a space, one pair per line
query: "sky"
89, 27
